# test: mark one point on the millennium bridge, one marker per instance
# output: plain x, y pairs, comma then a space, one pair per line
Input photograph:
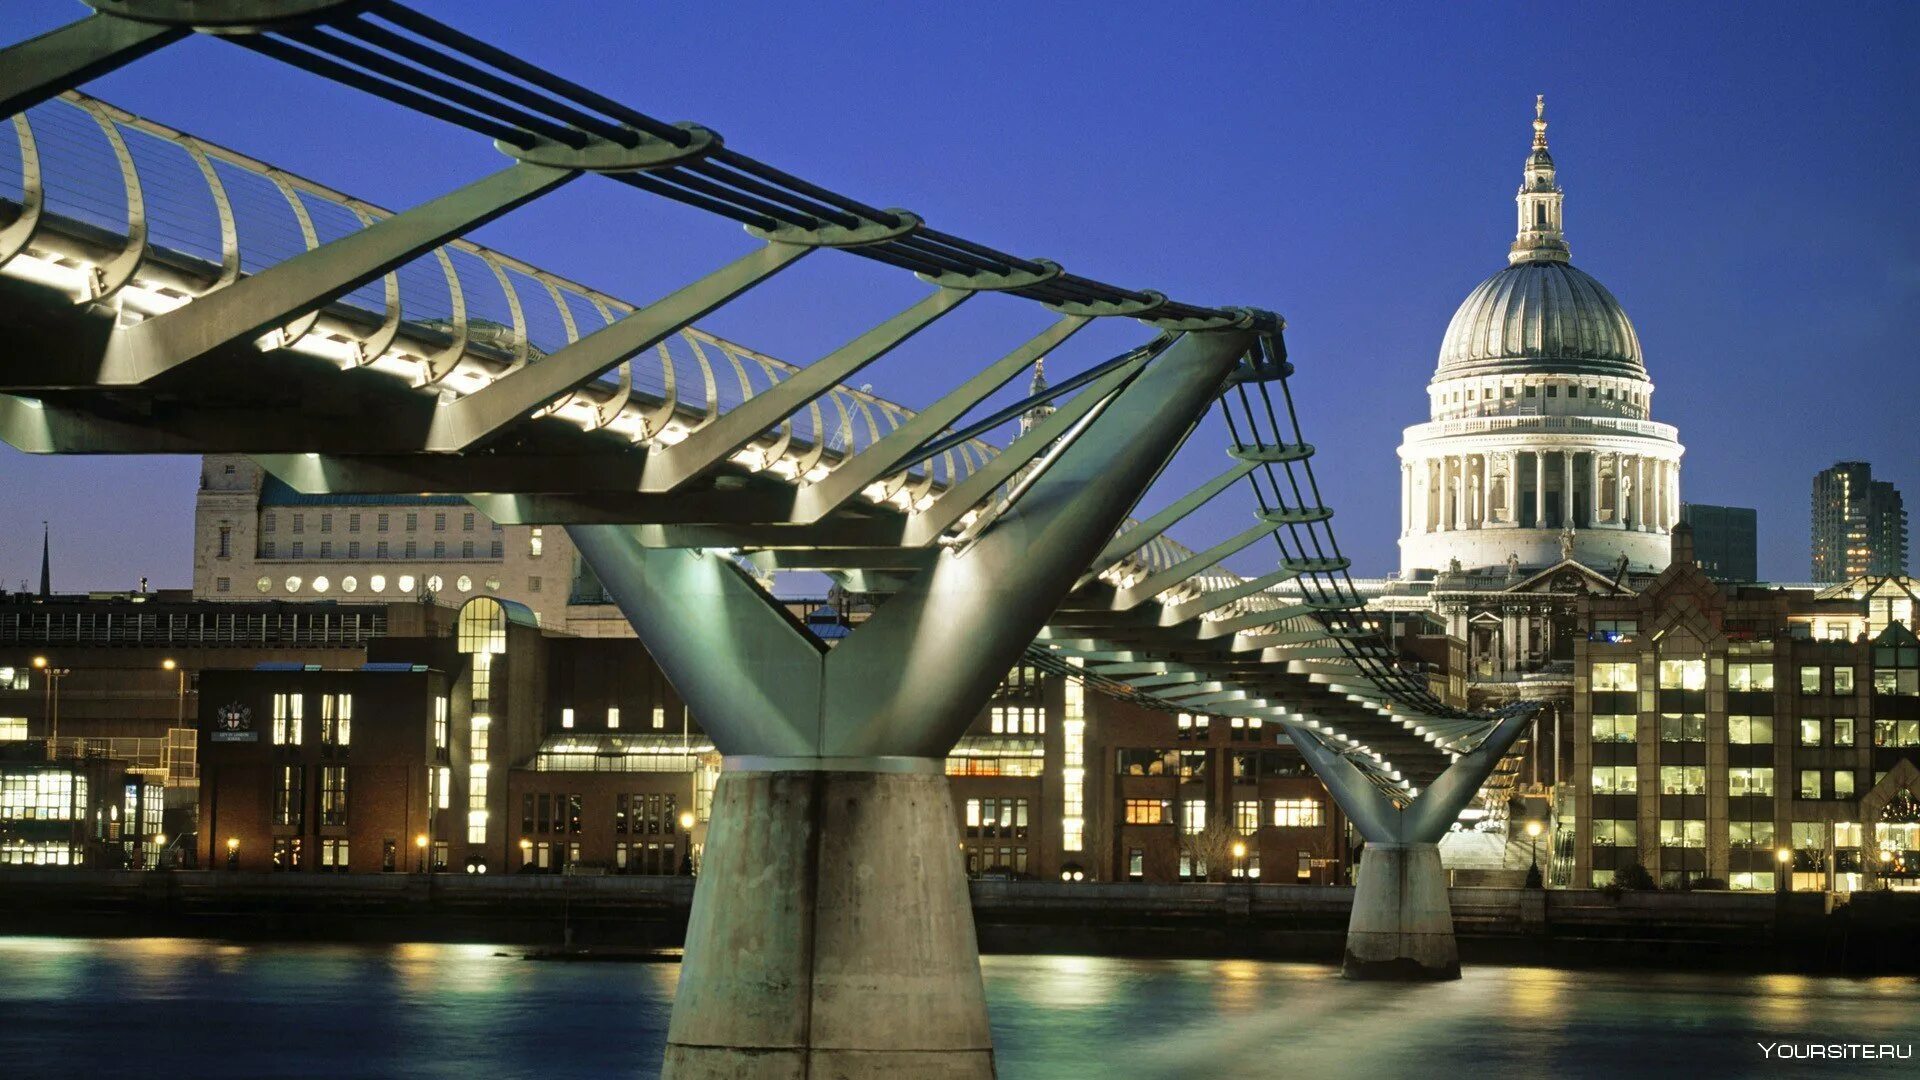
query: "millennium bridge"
165, 295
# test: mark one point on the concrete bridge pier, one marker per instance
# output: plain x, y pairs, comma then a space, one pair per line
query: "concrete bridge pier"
832, 932
1402, 922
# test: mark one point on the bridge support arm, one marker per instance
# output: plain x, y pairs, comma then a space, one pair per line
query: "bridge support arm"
1402, 922
59, 60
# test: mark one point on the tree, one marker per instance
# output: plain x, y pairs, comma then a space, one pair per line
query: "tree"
1633, 876
1211, 849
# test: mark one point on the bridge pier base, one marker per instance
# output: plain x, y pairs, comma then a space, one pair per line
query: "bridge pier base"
831, 933
1402, 923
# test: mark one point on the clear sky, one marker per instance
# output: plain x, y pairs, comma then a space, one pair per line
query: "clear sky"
1740, 176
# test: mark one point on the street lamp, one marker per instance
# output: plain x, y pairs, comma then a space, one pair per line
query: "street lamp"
1784, 856
54, 675
1239, 858
420, 842
160, 856
233, 853
686, 831
1534, 880
526, 852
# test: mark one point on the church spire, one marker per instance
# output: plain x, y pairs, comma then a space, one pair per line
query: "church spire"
1035, 388
46, 560
1541, 237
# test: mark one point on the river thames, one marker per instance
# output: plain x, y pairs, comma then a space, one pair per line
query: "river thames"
205, 1009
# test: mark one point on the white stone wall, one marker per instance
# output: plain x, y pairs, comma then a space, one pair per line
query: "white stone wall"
229, 498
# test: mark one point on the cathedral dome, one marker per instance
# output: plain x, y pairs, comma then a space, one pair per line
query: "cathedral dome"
1540, 317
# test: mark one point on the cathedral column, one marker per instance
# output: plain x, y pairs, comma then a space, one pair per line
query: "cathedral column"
1513, 488
1593, 487
1539, 489
1566, 488
1479, 489
1446, 481
1406, 499
1619, 490
1646, 495
1673, 489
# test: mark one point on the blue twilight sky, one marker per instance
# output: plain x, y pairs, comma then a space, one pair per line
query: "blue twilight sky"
1741, 177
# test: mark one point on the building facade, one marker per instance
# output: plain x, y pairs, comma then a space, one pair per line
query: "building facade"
1726, 540
1540, 435
1746, 737
256, 538
1859, 524
478, 741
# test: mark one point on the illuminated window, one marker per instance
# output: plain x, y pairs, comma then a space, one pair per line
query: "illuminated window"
333, 856
1615, 780
333, 795
1843, 731
1683, 727
1749, 781
1193, 815
1073, 739
1750, 730
1810, 679
289, 802
440, 714
1750, 834
1297, 813
1748, 677
566, 718
1683, 780
287, 714
1614, 676
13, 728
1616, 832
1683, 675
1810, 732
1148, 812
1246, 816
1683, 834
613, 716
534, 542
1843, 680
336, 719
1810, 785
1613, 727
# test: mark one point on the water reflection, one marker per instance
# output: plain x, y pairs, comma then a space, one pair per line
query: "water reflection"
205, 1009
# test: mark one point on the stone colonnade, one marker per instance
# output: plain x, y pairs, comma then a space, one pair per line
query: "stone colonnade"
1528, 488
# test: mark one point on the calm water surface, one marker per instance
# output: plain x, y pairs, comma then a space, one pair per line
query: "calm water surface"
174, 1007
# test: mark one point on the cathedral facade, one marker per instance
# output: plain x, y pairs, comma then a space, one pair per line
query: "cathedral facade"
1540, 476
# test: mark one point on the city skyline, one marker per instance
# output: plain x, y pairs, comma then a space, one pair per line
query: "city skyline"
1362, 205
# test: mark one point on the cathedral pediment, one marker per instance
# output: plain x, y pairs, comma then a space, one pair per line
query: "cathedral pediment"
1569, 576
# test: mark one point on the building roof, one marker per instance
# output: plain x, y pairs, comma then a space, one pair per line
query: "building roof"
1540, 317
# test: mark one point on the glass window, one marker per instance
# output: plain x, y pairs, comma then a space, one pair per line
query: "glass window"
1683, 727
1683, 834
1616, 779
1748, 677
1843, 680
1810, 679
1843, 731
1843, 783
1749, 781
1296, 813
1750, 730
1683, 675
1194, 815
1148, 812
287, 714
1750, 834
1683, 779
1613, 728
1246, 816
1615, 832
1810, 732
1810, 786
1609, 675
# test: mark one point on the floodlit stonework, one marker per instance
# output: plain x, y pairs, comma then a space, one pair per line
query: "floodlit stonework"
1540, 446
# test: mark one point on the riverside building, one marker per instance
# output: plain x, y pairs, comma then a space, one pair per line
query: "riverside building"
1749, 737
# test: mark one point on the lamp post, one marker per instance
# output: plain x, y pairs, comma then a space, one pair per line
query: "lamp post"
1239, 858
233, 853
54, 675
686, 831
420, 842
1783, 856
526, 852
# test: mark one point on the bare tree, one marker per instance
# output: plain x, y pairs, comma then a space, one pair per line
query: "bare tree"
1211, 849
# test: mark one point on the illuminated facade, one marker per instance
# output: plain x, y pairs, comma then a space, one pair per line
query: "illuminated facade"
1540, 446
1859, 524
1749, 738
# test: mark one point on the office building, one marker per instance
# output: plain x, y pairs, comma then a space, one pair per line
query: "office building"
1725, 540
